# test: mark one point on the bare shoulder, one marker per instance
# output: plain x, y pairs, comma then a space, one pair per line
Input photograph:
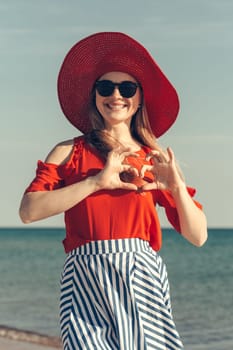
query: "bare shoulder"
61, 153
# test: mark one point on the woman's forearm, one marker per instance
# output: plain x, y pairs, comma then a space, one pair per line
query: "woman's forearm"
43, 204
192, 220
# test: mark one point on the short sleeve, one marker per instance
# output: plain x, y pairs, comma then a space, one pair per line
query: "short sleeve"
164, 198
51, 176
48, 177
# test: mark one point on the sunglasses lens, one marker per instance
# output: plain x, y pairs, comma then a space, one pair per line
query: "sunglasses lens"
106, 87
127, 89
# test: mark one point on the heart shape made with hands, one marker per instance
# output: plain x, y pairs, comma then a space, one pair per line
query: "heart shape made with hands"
130, 176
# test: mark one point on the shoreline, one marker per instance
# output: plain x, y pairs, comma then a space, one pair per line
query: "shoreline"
16, 339
19, 335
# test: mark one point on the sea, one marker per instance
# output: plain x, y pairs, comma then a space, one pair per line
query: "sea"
201, 282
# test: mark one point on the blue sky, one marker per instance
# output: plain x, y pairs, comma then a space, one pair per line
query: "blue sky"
192, 41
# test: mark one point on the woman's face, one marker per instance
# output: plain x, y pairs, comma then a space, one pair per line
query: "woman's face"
116, 109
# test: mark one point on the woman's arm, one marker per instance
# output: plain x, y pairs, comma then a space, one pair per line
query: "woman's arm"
192, 220
43, 204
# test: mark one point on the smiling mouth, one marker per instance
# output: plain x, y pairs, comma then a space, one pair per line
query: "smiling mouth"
116, 107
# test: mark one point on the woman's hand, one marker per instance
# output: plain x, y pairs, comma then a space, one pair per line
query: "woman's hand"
109, 177
164, 169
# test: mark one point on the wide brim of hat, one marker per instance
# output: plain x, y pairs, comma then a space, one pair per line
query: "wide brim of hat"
106, 52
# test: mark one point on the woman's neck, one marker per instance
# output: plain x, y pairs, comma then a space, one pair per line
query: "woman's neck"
124, 137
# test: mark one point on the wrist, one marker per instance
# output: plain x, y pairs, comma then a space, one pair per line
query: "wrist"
177, 188
93, 183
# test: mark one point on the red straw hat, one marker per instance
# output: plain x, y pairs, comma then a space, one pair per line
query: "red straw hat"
105, 52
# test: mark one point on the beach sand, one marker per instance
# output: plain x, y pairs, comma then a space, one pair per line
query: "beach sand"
12, 344
16, 339
9, 344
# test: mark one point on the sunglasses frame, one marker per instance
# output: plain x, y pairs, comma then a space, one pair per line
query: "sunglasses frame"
122, 88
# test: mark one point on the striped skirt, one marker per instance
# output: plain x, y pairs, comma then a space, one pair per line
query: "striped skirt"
115, 296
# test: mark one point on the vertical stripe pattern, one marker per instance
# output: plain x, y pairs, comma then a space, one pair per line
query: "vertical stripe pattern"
115, 296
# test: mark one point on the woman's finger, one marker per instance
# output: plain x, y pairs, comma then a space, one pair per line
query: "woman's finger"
158, 156
128, 186
171, 154
145, 168
152, 154
130, 168
150, 186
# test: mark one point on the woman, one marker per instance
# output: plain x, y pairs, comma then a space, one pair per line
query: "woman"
114, 287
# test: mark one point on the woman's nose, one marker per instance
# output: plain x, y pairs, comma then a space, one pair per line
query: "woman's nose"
116, 92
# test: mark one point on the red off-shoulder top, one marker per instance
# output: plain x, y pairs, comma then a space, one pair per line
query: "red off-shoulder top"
106, 214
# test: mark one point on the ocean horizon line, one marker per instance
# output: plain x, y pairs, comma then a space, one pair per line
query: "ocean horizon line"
31, 226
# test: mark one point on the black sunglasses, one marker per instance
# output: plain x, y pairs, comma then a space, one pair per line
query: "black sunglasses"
126, 88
